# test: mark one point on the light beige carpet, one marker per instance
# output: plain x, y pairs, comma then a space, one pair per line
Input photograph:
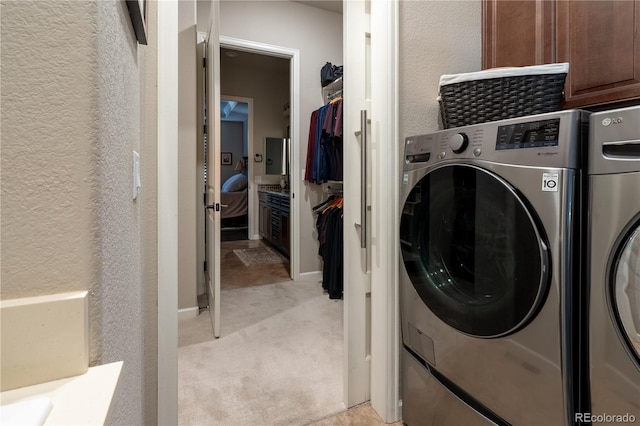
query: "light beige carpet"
281, 364
259, 256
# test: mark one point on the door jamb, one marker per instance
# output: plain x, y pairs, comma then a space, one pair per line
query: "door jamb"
167, 234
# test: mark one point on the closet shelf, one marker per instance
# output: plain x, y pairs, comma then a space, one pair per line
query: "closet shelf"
332, 90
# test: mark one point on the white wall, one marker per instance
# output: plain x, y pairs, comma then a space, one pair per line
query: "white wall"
75, 87
436, 37
317, 34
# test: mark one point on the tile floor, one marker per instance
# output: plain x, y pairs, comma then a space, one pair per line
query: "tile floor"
235, 274
361, 415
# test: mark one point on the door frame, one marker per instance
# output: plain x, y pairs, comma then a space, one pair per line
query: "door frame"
385, 380
386, 168
294, 87
167, 231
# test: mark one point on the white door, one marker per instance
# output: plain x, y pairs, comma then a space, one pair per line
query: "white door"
213, 169
357, 277
371, 206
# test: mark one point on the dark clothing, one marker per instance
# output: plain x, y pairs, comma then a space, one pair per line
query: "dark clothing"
324, 147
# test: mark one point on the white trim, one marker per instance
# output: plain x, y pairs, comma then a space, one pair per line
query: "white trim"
311, 276
167, 213
385, 159
188, 313
253, 190
294, 81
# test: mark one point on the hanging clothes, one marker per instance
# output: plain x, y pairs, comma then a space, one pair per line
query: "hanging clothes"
329, 225
324, 147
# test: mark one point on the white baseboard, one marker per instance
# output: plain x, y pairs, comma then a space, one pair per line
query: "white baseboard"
311, 276
187, 313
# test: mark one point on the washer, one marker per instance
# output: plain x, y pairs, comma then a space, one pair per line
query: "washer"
614, 258
490, 246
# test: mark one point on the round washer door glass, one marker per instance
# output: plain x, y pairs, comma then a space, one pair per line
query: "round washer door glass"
473, 251
627, 290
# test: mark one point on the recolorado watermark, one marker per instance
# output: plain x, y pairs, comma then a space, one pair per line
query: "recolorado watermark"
604, 418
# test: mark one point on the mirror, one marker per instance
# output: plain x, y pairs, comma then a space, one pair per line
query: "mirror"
276, 157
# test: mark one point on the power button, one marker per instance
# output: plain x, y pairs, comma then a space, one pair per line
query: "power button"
477, 152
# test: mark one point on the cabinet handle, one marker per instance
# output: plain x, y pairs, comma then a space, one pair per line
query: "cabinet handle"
363, 178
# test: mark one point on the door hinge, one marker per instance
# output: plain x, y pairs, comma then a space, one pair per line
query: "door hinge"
204, 62
205, 266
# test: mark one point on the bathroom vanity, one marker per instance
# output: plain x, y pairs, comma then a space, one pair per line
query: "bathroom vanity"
274, 219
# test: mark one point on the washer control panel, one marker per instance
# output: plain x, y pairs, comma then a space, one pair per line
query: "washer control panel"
547, 140
458, 142
533, 134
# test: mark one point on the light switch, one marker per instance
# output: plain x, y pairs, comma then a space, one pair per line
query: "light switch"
136, 174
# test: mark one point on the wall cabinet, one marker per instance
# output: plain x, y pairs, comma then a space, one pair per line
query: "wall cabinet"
274, 220
599, 39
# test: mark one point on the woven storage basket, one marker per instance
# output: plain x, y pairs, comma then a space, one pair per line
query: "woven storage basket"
500, 93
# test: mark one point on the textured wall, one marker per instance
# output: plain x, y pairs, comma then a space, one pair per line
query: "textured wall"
317, 34
48, 147
120, 66
436, 37
148, 200
73, 110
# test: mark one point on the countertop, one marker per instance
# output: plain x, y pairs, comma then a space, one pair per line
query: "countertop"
79, 400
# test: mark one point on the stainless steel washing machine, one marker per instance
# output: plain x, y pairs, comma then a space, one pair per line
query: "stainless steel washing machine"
490, 245
614, 259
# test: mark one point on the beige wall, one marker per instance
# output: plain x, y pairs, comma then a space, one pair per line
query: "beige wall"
49, 135
188, 268
77, 99
435, 38
317, 34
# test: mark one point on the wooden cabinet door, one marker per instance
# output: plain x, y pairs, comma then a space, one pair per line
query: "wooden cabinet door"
284, 232
517, 33
601, 41
265, 221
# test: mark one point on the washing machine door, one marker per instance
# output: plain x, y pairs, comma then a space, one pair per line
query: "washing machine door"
624, 296
473, 251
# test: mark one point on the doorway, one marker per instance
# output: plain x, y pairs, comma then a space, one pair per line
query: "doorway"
254, 112
384, 373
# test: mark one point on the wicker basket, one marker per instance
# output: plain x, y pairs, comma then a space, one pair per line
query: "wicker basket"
501, 93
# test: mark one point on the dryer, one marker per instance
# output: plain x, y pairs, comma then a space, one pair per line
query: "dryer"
489, 237
614, 259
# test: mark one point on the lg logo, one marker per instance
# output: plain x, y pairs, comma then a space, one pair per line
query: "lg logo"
609, 121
